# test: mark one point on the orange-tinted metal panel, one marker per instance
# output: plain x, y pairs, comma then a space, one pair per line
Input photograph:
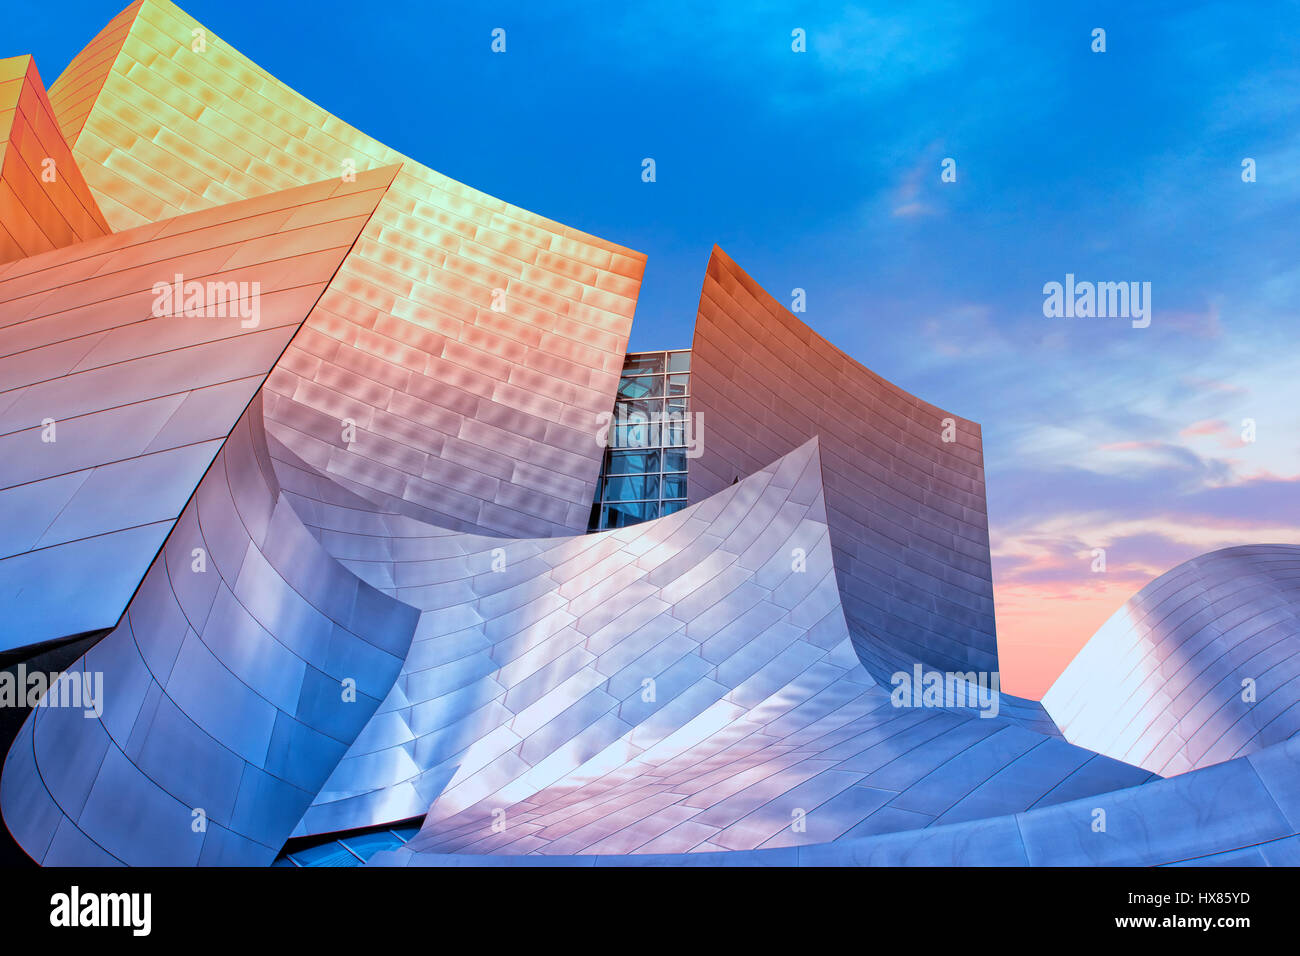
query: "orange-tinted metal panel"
44, 200
468, 345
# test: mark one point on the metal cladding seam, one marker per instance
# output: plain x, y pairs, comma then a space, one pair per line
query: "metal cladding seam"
524, 691
75, 91
394, 515
1245, 812
225, 699
111, 410
906, 507
466, 345
44, 201
1200, 666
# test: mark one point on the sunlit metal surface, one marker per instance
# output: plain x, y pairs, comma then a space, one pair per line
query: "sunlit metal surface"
469, 343
1201, 665
683, 683
1242, 813
225, 693
44, 201
906, 505
110, 413
374, 602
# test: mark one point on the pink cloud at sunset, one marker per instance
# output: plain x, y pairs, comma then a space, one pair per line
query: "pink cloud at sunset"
1050, 599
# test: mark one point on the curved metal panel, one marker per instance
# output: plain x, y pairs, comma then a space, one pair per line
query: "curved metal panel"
372, 606
113, 403
455, 367
1201, 665
905, 504
687, 682
1241, 813
75, 91
246, 664
38, 211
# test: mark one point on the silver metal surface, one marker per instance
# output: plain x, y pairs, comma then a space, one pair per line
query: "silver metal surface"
231, 689
1200, 666
521, 722
110, 414
371, 602
904, 479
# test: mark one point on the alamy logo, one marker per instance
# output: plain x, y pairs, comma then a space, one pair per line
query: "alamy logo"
1102, 300
76, 689
209, 300
72, 909
636, 430
978, 690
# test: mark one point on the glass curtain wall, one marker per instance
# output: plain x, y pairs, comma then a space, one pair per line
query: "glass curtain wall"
643, 475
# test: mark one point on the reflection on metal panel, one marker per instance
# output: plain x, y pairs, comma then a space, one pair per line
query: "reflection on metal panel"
687, 682
1241, 813
904, 479
44, 201
114, 400
469, 344
245, 666
373, 602
1200, 666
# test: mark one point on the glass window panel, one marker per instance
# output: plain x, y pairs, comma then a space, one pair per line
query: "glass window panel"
679, 361
674, 486
635, 436
645, 386
671, 507
633, 462
366, 845
622, 515
630, 487
679, 384
326, 854
675, 406
675, 424
674, 460
647, 409
650, 362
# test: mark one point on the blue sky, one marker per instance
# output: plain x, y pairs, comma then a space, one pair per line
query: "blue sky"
821, 170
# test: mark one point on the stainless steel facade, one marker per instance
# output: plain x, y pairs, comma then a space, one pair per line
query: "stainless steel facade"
648, 442
468, 343
110, 414
525, 690
246, 664
1240, 813
341, 552
40, 214
904, 479
1200, 666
